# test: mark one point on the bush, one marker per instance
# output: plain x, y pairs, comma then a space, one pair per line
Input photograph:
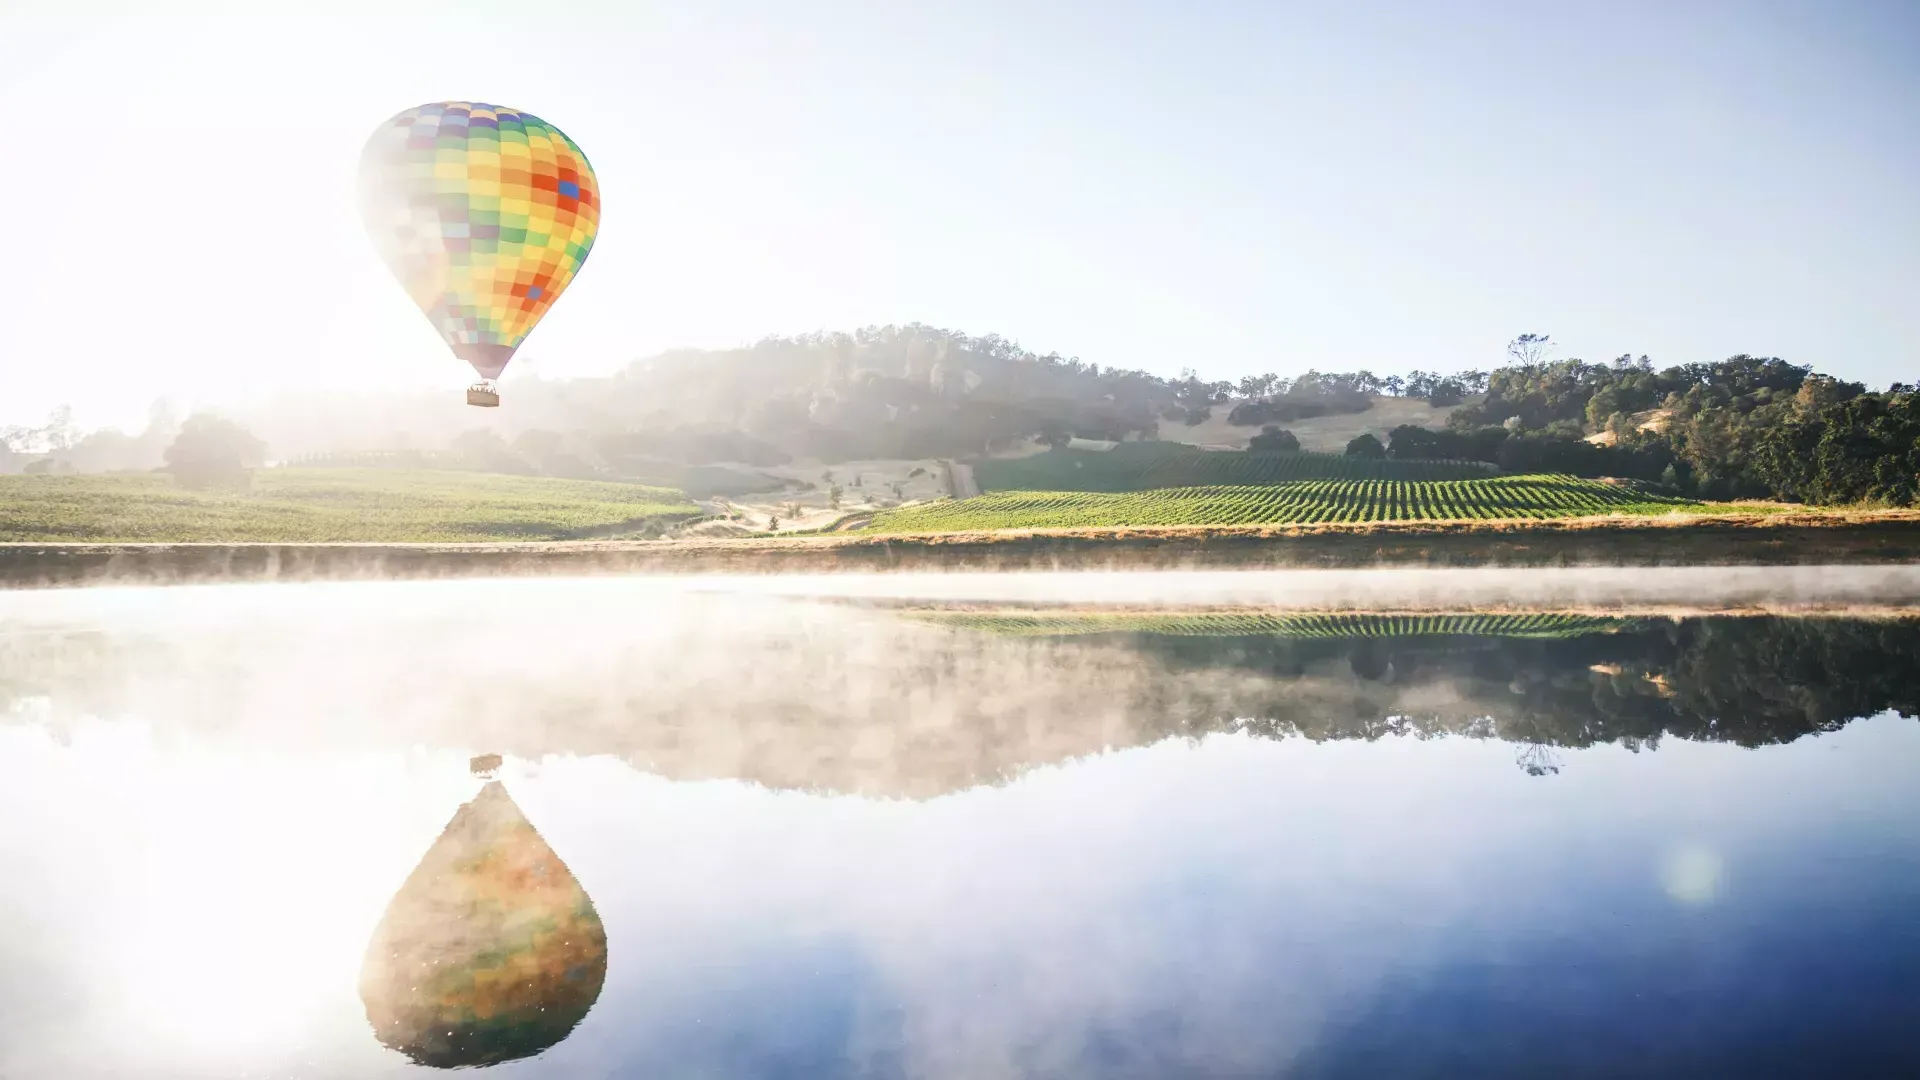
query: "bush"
1366, 446
213, 452
1412, 442
1274, 439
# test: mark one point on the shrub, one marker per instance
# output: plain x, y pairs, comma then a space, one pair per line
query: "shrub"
213, 452
1366, 446
1274, 439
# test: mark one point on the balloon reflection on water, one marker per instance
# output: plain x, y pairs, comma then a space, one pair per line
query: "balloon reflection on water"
491, 951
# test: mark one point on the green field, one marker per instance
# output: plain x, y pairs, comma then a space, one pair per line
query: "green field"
1142, 466
1294, 502
316, 505
697, 481
1278, 624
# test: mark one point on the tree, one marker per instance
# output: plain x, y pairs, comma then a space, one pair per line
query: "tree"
1529, 349
1274, 439
1448, 391
1366, 446
1053, 434
773, 523
212, 451
540, 448
834, 494
61, 432
484, 450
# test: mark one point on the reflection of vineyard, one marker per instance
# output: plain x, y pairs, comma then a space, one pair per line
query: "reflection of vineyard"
1289, 502
1286, 624
826, 698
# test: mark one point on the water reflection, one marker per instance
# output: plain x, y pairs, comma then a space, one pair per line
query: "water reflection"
1536, 679
933, 841
490, 952
928, 699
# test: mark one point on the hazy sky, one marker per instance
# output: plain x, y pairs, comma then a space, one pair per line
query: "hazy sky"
1233, 187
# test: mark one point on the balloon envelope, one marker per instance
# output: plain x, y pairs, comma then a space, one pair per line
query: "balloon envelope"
485, 214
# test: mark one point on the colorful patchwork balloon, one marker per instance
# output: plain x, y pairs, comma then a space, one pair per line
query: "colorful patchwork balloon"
485, 214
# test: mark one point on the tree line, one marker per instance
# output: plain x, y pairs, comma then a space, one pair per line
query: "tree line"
1744, 427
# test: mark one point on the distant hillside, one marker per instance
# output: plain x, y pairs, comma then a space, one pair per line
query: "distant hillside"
1743, 427
1328, 433
1141, 466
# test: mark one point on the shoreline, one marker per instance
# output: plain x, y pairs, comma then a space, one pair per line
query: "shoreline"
1887, 537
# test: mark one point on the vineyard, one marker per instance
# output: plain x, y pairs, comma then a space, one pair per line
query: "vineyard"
1294, 502
1141, 466
1533, 624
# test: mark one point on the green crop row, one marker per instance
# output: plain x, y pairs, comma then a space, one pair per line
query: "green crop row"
1296, 502
1145, 466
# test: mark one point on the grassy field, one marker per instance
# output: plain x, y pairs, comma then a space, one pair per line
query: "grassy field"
697, 481
1143, 466
1294, 502
1328, 434
1276, 624
315, 505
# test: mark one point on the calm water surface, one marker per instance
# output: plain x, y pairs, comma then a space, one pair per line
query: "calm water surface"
769, 831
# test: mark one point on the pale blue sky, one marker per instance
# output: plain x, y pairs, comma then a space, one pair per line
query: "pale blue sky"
1232, 187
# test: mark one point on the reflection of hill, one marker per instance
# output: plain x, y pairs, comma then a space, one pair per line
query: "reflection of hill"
1750, 681
490, 952
827, 697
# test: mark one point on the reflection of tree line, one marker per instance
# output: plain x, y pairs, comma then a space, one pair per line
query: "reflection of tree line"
883, 703
1747, 680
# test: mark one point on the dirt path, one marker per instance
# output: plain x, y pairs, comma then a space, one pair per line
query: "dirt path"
962, 477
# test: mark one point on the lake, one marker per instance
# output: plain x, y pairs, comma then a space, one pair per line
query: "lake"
1313, 824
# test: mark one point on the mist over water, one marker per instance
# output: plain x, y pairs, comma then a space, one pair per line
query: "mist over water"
1310, 824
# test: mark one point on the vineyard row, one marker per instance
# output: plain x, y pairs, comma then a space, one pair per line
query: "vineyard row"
1296, 502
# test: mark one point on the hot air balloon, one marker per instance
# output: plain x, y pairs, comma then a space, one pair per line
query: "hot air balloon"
491, 950
485, 214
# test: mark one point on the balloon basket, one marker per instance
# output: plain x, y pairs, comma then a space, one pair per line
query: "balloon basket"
483, 396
